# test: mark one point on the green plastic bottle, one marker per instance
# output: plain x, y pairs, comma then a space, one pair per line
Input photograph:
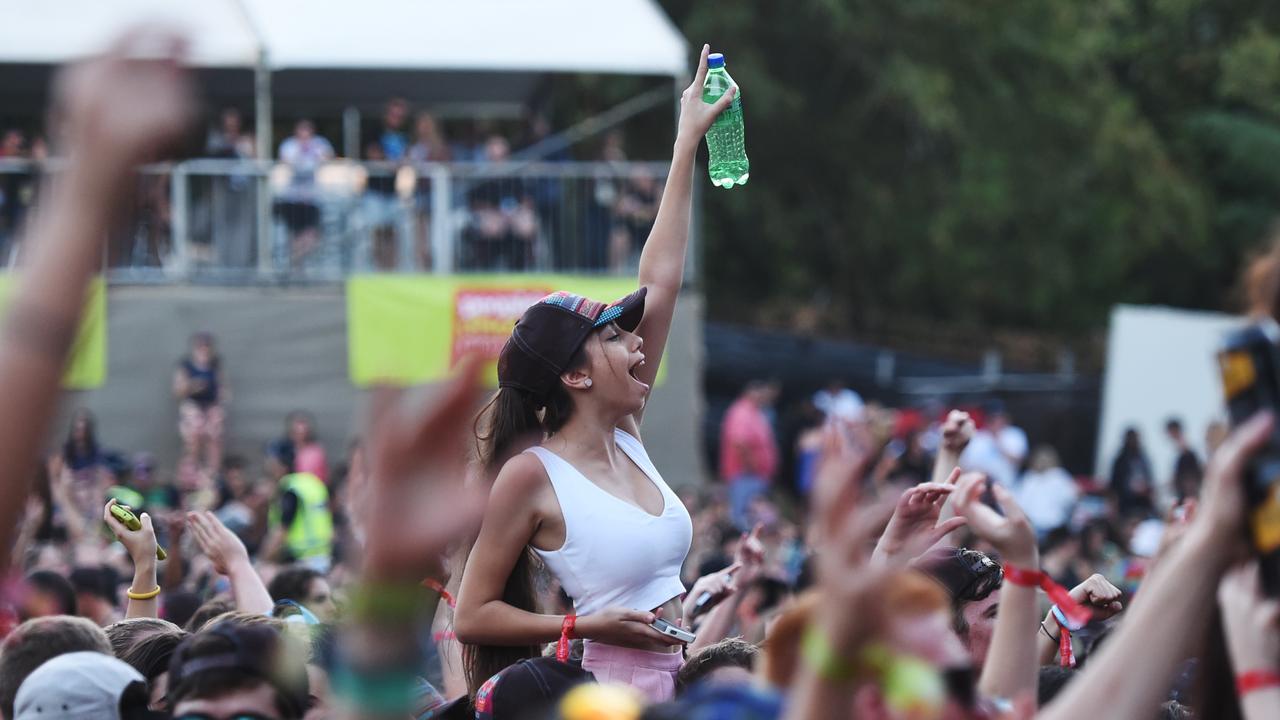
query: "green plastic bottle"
726, 143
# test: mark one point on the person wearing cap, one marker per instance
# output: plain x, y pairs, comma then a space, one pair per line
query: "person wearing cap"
574, 483
238, 670
82, 685
972, 580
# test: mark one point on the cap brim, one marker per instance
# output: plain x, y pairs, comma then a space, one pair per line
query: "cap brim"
627, 312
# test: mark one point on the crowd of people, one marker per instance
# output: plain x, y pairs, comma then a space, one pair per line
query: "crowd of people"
525, 558
380, 212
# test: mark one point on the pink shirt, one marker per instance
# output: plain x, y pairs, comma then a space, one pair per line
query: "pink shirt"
746, 427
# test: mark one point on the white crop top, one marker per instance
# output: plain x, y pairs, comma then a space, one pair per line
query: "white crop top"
615, 554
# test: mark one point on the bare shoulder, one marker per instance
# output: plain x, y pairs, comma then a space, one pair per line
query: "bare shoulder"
521, 480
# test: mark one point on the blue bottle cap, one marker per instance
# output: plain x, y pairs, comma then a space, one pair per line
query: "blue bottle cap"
715, 60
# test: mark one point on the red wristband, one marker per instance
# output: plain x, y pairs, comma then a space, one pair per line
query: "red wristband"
1023, 577
1077, 615
566, 634
433, 584
1247, 682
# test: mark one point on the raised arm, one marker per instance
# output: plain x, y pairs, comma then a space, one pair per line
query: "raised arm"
1011, 667
662, 260
1249, 623
1178, 594
119, 112
230, 558
957, 431
141, 545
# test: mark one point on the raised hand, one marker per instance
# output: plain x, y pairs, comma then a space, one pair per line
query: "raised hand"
228, 556
914, 527
1220, 514
696, 116
140, 543
217, 542
1011, 534
849, 587
1099, 595
957, 431
129, 105
415, 500
715, 584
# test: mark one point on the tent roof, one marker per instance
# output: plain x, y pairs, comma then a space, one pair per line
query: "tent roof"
588, 36
48, 33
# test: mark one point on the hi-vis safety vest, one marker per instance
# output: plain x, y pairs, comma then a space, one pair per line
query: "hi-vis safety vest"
311, 533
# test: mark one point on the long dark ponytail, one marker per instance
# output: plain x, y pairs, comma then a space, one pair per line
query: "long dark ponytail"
513, 421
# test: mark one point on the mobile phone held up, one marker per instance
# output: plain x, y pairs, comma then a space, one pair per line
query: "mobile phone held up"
670, 630
125, 515
1250, 365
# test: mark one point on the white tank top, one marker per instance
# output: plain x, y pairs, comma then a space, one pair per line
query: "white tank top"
615, 554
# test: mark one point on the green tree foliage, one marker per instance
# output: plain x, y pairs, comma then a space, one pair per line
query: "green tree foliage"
1022, 165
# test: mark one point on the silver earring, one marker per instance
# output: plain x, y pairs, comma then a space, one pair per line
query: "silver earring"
587, 382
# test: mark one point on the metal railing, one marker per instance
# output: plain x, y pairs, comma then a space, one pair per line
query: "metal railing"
244, 221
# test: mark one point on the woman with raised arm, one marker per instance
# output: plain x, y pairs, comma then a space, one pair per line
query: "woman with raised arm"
574, 486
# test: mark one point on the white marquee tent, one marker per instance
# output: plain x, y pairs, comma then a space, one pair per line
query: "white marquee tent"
619, 36
309, 53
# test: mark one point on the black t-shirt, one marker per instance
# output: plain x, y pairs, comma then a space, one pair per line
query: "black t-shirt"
1188, 465
288, 508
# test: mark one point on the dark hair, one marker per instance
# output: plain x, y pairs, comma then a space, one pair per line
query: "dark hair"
1056, 538
146, 644
293, 583
730, 652
1173, 424
70, 451
178, 606
252, 654
233, 462
37, 641
207, 612
1052, 679
510, 423
52, 583
97, 581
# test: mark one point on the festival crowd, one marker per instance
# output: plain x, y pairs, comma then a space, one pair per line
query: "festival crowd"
521, 556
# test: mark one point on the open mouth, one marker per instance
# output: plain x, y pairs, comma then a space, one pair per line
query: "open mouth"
636, 368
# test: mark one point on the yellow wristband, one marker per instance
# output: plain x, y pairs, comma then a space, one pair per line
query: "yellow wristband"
822, 657
142, 596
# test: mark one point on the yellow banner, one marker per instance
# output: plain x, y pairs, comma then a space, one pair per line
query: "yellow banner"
412, 329
87, 368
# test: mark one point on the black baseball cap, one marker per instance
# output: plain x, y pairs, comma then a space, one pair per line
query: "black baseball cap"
967, 575
551, 332
528, 689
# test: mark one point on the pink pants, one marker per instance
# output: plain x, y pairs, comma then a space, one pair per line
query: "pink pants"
652, 673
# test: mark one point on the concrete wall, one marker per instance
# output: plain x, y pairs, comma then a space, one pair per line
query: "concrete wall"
286, 349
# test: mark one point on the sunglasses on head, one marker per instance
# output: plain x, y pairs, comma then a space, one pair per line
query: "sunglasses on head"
987, 576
